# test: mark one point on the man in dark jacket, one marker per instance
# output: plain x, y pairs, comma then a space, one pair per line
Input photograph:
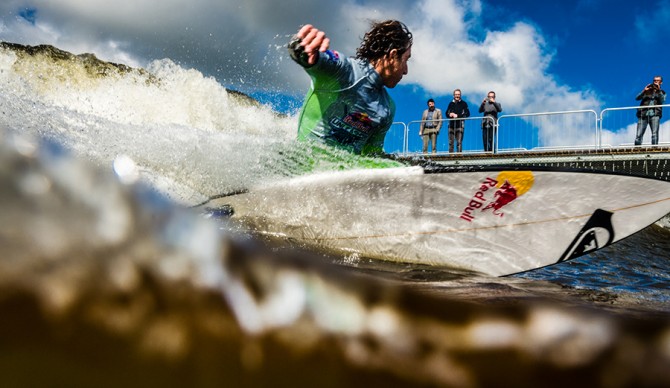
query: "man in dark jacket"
490, 108
456, 111
652, 94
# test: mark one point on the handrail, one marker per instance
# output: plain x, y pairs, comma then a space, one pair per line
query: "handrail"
549, 113
635, 107
567, 112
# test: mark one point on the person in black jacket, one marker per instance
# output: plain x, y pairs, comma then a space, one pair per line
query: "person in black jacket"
456, 111
490, 108
652, 94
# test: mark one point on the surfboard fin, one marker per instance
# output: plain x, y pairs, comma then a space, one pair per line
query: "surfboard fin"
224, 211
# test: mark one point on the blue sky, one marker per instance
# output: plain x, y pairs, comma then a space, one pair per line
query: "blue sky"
537, 56
611, 47
596, 54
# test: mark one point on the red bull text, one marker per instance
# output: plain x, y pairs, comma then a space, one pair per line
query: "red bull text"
478, 199
514, 184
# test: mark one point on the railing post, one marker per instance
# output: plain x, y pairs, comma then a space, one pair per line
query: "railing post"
496, 126
600, 132
406, 142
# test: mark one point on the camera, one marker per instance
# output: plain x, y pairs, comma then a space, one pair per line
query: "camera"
652, 86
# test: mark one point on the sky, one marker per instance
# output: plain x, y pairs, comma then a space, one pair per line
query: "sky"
536, 56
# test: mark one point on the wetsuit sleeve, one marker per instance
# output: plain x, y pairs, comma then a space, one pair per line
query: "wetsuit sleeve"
331, 71
327, 63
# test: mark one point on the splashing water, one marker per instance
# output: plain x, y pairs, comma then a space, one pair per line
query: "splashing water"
190, 137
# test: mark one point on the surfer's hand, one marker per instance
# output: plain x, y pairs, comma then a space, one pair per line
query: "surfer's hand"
313, 41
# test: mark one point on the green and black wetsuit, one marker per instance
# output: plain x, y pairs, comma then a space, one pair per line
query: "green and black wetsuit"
347, 105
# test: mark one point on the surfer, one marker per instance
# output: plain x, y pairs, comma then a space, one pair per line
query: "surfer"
348, 105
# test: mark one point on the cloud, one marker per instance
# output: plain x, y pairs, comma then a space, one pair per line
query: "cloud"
514, 62
238, 42
243, 43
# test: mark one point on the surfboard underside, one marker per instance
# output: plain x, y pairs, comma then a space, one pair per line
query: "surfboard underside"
496, 222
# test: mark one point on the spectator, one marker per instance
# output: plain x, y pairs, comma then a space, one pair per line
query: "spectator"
431, 122
456, 111
652, 94
490, 108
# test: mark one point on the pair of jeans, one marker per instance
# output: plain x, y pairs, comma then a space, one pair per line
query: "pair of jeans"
432, 137
642, 122
456, 134
487, 135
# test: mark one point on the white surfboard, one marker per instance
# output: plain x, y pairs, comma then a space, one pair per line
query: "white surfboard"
496, 222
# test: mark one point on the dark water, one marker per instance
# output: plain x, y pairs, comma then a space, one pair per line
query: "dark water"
638, 265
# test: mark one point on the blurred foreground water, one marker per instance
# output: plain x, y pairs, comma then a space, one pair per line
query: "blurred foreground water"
106, 283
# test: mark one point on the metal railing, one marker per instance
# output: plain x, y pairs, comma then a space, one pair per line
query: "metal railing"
614, 120
573, 130
414, 142
548, 130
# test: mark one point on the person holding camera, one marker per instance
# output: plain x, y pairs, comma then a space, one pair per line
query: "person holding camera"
431, 122
652, 94
490, 108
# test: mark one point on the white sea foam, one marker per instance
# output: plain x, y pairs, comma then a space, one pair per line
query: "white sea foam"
177, 125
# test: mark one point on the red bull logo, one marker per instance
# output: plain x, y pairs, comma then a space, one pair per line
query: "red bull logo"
503, 196
359, 120
510, 185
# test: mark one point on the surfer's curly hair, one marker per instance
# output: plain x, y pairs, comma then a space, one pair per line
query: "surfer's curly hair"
384, 37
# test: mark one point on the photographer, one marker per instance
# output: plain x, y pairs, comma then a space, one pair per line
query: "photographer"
652, 94
490, 108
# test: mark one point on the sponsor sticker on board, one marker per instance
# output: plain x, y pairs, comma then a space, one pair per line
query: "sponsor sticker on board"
496, 193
